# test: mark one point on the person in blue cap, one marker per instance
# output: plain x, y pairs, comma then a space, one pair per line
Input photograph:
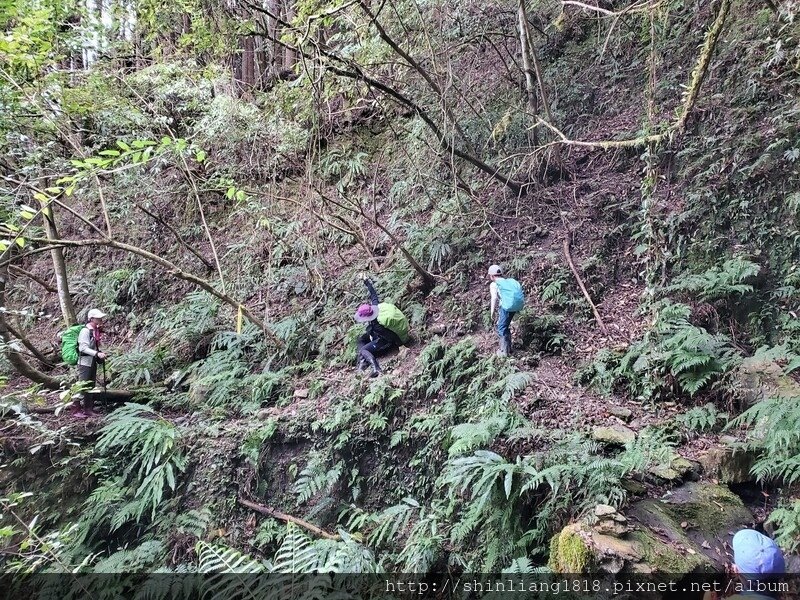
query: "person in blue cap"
758, 562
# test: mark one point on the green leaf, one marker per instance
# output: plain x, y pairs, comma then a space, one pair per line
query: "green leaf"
200, 156
3, 245
54, 190
508, 481
123, 145
41, 197
166, 141
137, 157
20, 242
109, 153
231, 191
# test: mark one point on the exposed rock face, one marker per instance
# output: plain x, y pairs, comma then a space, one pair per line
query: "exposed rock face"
757, 379
684, 531
727, 464
676, 468
615, 434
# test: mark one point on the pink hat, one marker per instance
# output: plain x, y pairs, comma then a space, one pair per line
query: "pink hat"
365, 313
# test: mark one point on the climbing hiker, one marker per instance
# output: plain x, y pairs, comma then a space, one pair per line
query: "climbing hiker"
387, 328
509, 292
89, 355
757, 565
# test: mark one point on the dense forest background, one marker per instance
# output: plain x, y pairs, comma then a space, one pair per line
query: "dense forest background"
215, 175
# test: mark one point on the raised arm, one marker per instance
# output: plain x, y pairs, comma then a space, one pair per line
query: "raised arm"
373, 295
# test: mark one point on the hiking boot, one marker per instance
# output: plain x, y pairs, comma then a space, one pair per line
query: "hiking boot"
362, 364
505, 347
372, 362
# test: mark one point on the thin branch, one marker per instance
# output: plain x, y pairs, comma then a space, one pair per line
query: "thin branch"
20, 271
352, 70
171, 268
25, 342
583, 287
175, 233
696, 80
203, 219
276, 514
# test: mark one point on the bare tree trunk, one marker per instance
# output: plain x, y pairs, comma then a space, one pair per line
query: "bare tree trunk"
273, 33
60, 268
530, 76
289, 56
529, 55
248, 62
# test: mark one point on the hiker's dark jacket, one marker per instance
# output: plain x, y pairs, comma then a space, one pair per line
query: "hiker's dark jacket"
374, 329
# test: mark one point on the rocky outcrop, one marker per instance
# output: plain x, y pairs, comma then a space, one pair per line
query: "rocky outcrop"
726, 463
684, 531
617, 435
757, 379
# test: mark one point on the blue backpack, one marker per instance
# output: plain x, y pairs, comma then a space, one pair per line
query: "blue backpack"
511, 297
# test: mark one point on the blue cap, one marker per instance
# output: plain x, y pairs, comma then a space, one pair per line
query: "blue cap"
756, 554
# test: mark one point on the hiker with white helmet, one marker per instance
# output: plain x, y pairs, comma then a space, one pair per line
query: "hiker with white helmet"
387, 329
89, 354
509, 292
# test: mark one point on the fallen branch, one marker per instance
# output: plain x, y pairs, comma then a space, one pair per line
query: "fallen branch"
582, 286
276, 514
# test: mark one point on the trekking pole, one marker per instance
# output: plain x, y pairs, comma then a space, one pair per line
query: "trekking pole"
105, 393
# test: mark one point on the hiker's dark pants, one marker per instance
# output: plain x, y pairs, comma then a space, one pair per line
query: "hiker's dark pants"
369, 349
504, 326
87, 374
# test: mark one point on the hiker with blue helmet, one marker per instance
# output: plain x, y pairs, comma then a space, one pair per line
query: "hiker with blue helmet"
758, 563
509, 293
387, 329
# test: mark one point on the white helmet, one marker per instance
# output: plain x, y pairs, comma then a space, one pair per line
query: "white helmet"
95, 314
495, 270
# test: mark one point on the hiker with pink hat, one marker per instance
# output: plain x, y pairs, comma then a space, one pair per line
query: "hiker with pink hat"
387, 329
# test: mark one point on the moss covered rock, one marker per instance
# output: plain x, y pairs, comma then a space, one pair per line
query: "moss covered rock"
685, 531
569, 551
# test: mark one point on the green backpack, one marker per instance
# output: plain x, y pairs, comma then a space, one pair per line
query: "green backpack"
69, 344
393, 319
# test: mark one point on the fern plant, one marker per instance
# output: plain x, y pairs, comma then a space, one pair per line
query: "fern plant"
152, 452
733, 278
774, 434
316, 478
702, 418
675, 354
